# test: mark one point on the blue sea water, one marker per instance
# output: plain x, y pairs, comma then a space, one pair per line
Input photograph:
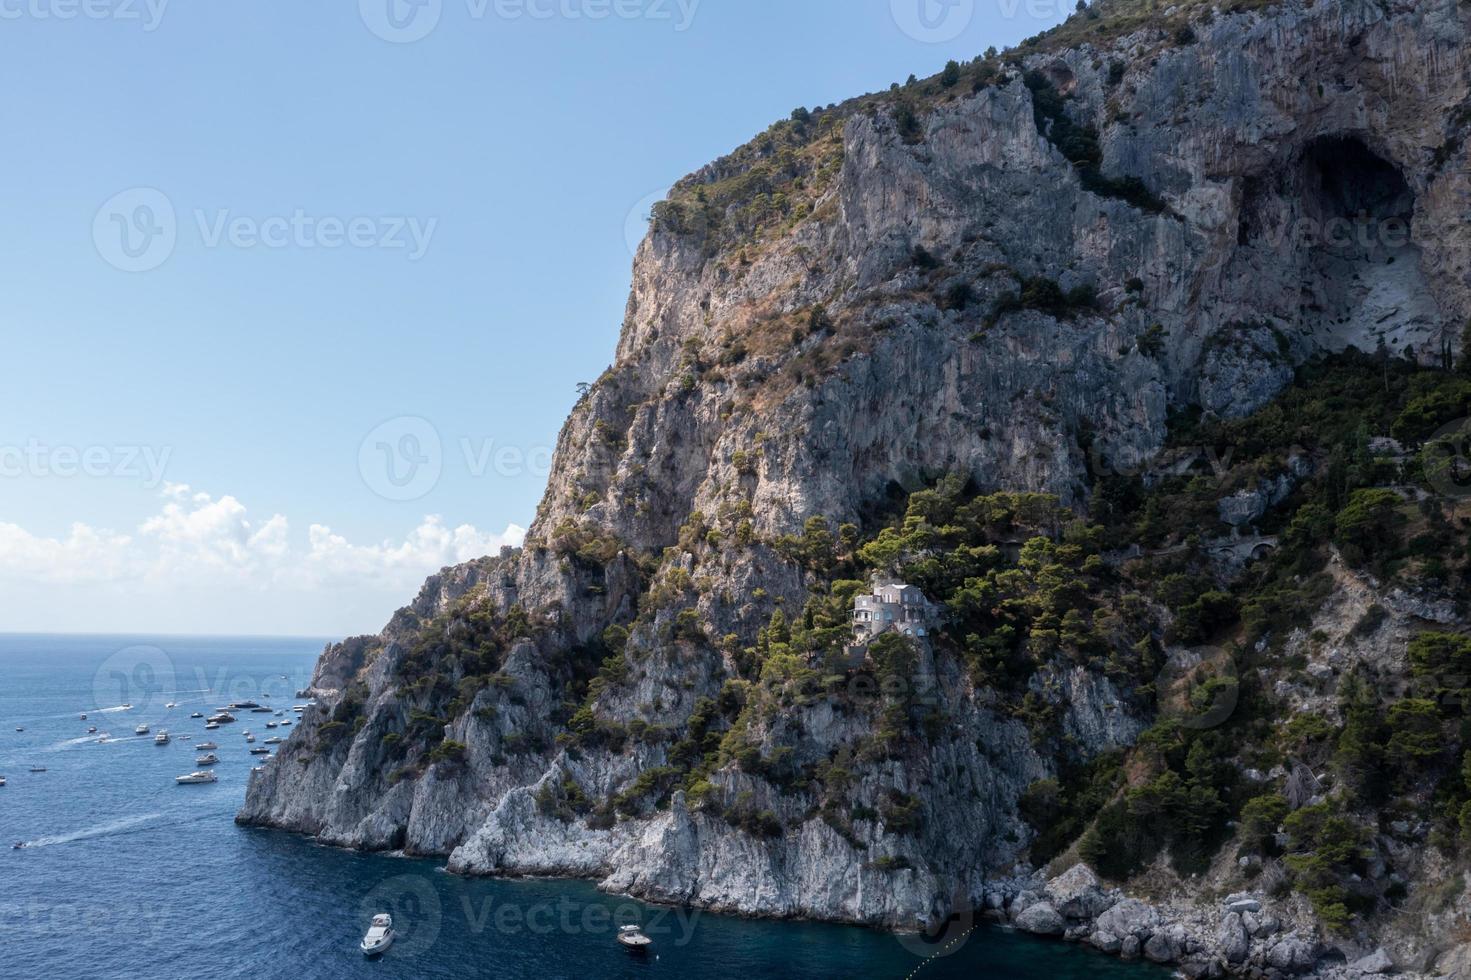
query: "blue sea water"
127, 875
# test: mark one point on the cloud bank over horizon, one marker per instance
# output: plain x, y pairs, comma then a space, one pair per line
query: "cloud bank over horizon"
203, 564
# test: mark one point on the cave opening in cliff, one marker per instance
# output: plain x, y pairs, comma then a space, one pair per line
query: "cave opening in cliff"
1341, 219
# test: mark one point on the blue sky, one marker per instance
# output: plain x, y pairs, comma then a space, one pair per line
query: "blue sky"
365, 227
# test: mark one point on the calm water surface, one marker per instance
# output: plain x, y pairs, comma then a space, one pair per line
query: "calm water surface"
127, 875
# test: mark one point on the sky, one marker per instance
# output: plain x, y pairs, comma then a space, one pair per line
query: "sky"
294, 297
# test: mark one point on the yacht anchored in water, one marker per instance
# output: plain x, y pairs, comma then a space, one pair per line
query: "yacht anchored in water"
379, 937
203, 776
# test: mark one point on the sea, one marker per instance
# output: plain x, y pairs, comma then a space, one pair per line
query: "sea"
126, 874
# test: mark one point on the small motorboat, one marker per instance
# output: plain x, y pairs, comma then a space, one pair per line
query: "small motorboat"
250, 738
379, 937
248, 705
202, 776
206, 746
286, 722
211, 726
207, 760
84, 716
92, 730
162, 738
141, 730
2, 780
260, 711
632, 937
260, 751
172, 704
19, 729
38, 768
270, 724
17, 845
274, 740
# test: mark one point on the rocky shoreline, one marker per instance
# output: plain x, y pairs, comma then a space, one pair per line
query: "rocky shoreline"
1244, 935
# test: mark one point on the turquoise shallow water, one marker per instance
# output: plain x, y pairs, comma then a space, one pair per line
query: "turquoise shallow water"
126, 875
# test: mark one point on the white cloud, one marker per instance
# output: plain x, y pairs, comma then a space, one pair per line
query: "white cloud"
202, 556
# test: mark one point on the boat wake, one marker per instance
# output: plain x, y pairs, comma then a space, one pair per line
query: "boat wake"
111, 829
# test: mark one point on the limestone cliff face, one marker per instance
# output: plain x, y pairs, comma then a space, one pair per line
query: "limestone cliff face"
939, 289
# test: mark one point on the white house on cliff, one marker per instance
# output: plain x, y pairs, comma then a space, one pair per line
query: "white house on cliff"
892, 605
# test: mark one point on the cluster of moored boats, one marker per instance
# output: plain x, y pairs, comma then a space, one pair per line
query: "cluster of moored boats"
207, 757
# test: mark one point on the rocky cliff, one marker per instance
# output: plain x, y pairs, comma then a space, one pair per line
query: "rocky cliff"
1014, 275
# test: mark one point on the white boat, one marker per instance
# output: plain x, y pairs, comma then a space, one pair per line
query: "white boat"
222, 718
286, 722
250, 738
207, 760
203, 776
141, 730
196, 714
211, 726
92, 730
632, 937
84, 716
379, 937
172, 704
2, 780
274, 740
206, 746
19, 729
270, 724
260, 751
162, 738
